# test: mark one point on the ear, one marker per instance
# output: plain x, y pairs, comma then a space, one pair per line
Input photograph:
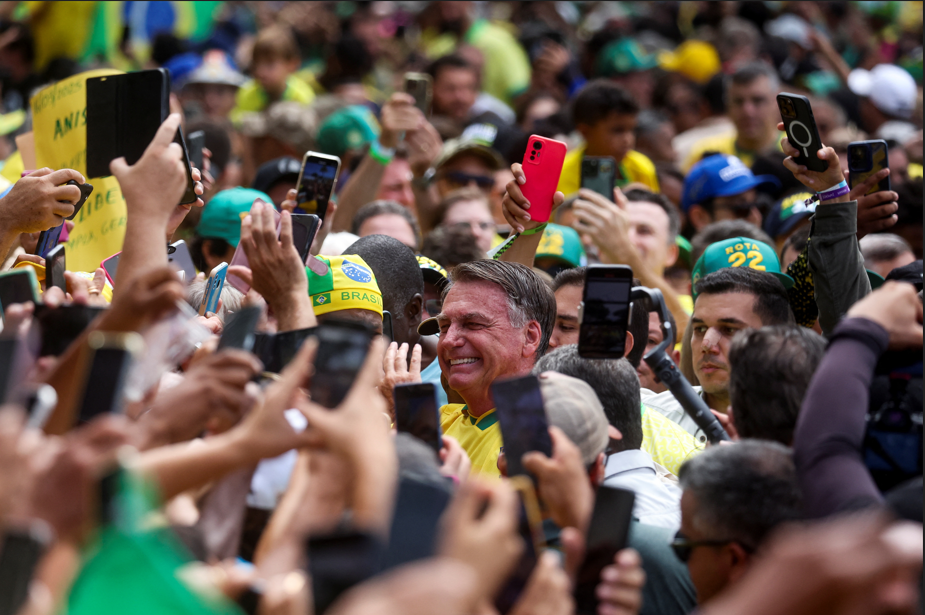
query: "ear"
672, 257
584, 129
533, 335
628, 344
699, 217
739, 562
675, 355
596, 474
414, 310
614, 433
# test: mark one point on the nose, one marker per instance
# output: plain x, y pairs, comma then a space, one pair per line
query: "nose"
710, 342
451, 338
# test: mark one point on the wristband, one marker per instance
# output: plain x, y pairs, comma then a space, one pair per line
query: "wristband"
536, 230
379, 153
836, 188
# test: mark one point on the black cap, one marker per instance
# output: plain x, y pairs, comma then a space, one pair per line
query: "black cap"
271, 173
911, 273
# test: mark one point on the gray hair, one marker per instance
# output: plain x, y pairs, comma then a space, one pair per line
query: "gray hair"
747, 73
614, 382
880, 247
528, 296
742, 491
382, 208
232, 298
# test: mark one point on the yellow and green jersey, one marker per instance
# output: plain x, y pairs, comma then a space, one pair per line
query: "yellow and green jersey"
634, 168
480, 436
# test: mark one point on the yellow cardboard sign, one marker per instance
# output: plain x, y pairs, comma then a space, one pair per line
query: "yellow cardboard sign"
59, 126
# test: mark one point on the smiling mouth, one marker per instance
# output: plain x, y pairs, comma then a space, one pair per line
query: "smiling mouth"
462, 361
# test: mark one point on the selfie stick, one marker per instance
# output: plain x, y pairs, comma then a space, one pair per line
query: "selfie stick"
666, 371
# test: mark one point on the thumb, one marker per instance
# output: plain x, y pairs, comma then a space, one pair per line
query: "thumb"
242, 272
573, 549
118, 167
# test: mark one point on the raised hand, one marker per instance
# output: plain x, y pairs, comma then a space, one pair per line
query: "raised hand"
816, 181
39, 201
877, 211
516, 207
896, 307
562, 482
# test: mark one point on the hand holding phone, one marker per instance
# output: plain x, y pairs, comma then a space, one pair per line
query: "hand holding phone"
542, 167
240, 329
110, 357
420, 86
865, 159
522, 416
55, 267
342, 348
802, 133
604, 312
304, 229
598, 173
213, 290
18, 286
316, 183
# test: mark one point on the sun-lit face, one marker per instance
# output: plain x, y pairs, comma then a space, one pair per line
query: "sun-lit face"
716, 320
649, 227
568, 298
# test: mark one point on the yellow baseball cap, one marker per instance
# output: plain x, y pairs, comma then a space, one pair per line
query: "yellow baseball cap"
695, 60
349, 284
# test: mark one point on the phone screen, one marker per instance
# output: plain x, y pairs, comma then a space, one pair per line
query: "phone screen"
239, 329
316, 184
605, 316
607, 534
419, 86
416, 412
110, 265
415, 522
524, 426
597, 174
304, 229
342, 348
866, 158
195, 141
62, 325
104, 382
54, 269
17, 286
337, 562
387, 324
48, 239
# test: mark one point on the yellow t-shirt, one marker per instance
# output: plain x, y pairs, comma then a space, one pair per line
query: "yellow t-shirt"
667, 442
479, 437
723, 144
634, 167
252, 97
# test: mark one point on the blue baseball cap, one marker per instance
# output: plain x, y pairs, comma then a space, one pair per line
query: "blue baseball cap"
720, 175
788, 212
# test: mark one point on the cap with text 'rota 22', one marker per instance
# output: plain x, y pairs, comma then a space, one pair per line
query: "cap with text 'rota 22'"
738, 252
349, 284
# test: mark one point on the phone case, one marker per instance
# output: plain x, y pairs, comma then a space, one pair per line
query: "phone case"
124, 113
110, 266
542, 167
55, 268
190, 195
213, 290
802, 133
48, 239
866, 158
18, 285
195, 141
179, 256
317, 204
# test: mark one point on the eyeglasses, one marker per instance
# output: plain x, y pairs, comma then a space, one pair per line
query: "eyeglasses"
683, 546
460, 179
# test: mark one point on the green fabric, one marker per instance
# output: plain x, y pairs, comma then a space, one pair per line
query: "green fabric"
222, 215
623, 56
562, 243
737, 252
506, 72
350, 128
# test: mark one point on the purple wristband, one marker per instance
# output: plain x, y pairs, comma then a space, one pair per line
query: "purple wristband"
834, 194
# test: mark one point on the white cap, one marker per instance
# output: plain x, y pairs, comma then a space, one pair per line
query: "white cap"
890, 88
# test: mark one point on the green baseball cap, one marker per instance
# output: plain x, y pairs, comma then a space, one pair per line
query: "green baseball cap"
623, 56
562, 243
738, 252
348, 128
222, 215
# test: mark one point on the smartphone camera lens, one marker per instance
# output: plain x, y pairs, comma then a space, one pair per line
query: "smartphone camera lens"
538, 145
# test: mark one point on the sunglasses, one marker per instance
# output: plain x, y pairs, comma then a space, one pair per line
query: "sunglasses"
460, 179
433, 307
683, 546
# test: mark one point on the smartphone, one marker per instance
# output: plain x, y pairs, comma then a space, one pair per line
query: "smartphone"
124, 113
866, 158
10, 367
598, 173
387, 324
338, 561
342, 348
213, 289
55, 267
304, 229
178, 255
48, 239
417, 413
85, 190
195, 141
802, 133
415, 521
316, 183
530, 528
110, 358
607, 534
420, 86
18, 286
542, 167
20, 553
61, 326
190, 195
276, 350
240, 256
239, 329
604, 312
110, 265
524, 426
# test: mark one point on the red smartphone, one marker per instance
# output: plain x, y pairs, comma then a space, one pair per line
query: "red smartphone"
542, 166
109, 266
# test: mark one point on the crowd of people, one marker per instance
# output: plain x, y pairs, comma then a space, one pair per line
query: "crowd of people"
222, 481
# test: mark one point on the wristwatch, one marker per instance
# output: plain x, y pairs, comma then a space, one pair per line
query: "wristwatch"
425, 180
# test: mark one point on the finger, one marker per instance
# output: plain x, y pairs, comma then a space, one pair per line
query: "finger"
780, 126
242, 272
62, 176
592, 198
66, 193
516, 194
787, 148
514, 210
118, 167
388, 362
416, 361
196, 174
791, 165
879, 211
285, 230
41, 172
881, 225
77, 287
166, 133
401, 358
865, 186
518, 171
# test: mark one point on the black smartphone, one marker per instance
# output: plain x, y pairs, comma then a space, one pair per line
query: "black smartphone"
55, 266
420, 86
85, 190
108, 364
178, 254
598, 173
195, 141
304, 229
802, 133
316, 183
866, 158
524, 426
415, 521
124, 113
337, 562
416, 412
387, 325
529, 527
61, 326
48, 239
189, 196
18, 286
342, 348
239, 331
276, 350
20, 553
607, 534
604, 313
9, 366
